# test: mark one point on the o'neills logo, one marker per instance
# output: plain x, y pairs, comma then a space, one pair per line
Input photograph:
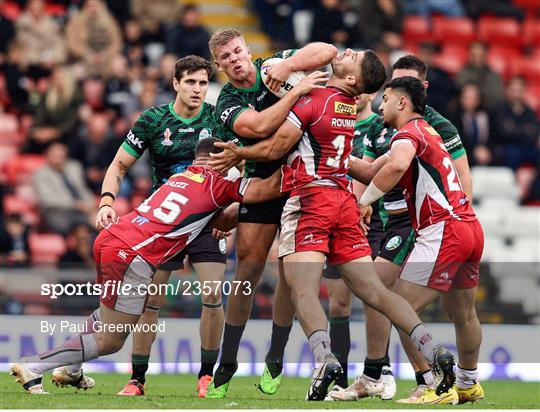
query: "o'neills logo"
344, 108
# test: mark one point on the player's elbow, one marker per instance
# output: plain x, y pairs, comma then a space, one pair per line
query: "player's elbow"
326, 53
398, 167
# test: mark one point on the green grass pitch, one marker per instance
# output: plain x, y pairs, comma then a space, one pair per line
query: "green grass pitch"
178, 392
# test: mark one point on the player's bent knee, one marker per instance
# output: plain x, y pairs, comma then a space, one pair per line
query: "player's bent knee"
109, 344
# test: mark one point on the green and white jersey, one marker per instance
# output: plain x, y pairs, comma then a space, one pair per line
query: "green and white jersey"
233, 100
170, 139
361, 129
377, 143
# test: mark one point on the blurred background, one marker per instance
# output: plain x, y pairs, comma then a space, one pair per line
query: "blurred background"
80, 72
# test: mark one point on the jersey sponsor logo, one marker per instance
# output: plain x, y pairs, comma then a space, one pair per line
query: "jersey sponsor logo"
135, 141
188, 130
262, 95
305, 100
140, 220
225, 114
205, 133
179, 185
122, 254
366, 142
167, 141
195, 177
338, 122
443, 278
179, 168
393, 243
251, 106
360, 245
344, 108
431, 131
310, 239
453, 142
243, 210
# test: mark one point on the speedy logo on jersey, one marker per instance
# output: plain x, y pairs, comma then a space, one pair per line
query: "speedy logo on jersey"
135, 141
195, 177
344, 108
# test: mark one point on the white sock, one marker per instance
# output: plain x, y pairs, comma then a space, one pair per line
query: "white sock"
466, 378
319, 343
428, 378
423, 341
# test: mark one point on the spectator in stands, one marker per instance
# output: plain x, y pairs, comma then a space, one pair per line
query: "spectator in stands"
94, 36
381, 20
165, 89
133, 44
7, 34
328, 24
477, 71
516, 127
473, 124
96, 151
63, 196
40, 38
425, 8
14, 250
442, 88
276, 21
188, 36
57, 115
152, 14
117, 91
18, 85
79, 250
501, 8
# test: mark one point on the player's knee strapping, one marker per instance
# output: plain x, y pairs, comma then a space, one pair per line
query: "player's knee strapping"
212, 305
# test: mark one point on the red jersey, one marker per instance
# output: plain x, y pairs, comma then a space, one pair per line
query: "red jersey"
327, 117
431, 185
177, 212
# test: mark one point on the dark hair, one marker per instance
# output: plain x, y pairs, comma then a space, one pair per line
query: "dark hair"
189, 7
414, 88
206, 146
190, 64
411, 62
373, 72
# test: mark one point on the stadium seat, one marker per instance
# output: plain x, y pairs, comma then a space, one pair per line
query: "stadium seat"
531, 32
499, 58
454, 30
520, 290
10, 130
20, 168
494, 182
532, 7
500, 30
452, 58
523, 223
416, 29
527, 67
46, 247
494, 246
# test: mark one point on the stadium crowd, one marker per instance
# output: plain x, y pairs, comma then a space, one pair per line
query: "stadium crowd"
75, 75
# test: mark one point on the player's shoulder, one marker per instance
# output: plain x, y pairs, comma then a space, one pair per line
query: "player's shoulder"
155, 113
441, 124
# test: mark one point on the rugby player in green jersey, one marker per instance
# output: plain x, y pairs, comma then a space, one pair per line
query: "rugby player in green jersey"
250, 112
398, 238
170, 133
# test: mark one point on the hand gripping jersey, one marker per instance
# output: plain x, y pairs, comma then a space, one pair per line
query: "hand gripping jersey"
431, 185
327, 118
176, 213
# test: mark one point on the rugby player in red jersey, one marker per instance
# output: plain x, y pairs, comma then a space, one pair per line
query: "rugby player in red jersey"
321, 219
128, 252
449, 239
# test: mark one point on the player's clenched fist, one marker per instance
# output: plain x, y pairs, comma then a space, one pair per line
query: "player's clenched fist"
105, 216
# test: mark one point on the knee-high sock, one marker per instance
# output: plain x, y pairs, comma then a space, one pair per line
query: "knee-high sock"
79, 349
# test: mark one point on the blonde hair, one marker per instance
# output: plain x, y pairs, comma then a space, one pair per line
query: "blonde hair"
221, 37
60, 95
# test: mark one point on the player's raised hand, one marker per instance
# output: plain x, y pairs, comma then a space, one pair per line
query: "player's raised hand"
277, 74
365, 217
222, 162
105, 216
310, 82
